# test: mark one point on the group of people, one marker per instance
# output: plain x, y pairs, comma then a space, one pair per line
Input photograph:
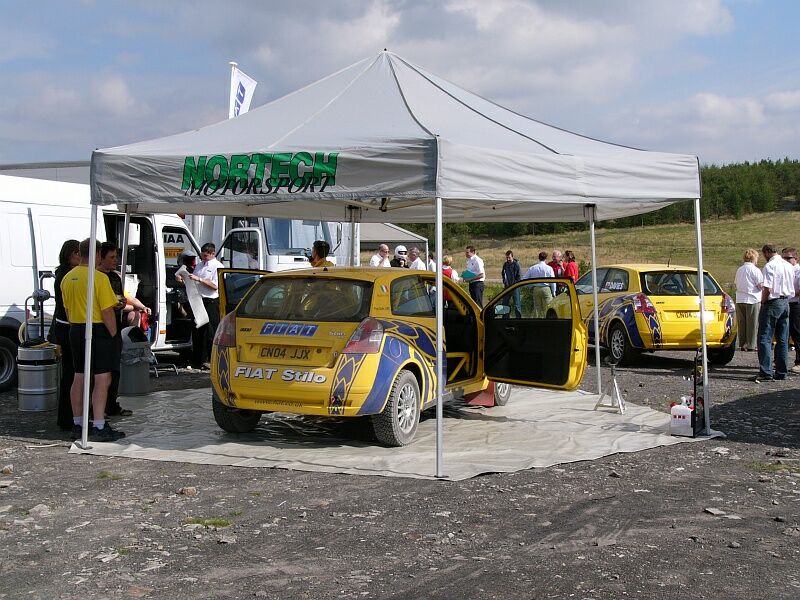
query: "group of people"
112, 310
562, 265
768, 309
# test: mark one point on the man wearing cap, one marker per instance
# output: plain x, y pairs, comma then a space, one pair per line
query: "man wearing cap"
773, 318
400, 257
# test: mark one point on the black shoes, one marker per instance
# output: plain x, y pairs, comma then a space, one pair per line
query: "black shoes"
106, 434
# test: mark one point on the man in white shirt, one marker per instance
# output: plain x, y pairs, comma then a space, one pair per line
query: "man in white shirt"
478, 275
416, 262
205, 274
431, 262
542, 292
381, 259
790, 256
773, 319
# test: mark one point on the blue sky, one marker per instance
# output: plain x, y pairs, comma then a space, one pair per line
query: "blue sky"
716, 78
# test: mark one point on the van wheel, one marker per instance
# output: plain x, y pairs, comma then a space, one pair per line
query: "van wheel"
502, 393
234, 420
619, 348
8, 364
397, 424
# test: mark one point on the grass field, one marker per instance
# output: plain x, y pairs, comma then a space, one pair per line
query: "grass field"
724, 242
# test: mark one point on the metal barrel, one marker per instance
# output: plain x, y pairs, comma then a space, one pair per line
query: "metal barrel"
38, 381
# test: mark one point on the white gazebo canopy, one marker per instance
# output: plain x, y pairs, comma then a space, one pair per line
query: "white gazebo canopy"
385, 140
389, 137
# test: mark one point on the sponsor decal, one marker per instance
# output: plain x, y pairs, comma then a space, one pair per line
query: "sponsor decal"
259, 174
297, 329
268, 373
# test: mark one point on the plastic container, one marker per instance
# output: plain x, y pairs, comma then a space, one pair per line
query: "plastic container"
39, 376
680, 422
134, 369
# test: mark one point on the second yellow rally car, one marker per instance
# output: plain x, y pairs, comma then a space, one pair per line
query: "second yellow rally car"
349, 342
646, 307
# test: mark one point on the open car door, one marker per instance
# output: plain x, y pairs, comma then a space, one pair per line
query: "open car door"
233, 285
534, 335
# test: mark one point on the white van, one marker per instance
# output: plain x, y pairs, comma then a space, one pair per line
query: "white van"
38, 216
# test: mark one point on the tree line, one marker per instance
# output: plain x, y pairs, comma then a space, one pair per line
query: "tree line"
728, 191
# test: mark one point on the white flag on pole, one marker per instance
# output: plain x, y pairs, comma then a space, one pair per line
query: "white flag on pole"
242, 88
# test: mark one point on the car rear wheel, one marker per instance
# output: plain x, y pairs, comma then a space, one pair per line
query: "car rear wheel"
619, 348
234, 420
397, 424
721, 357
502, 393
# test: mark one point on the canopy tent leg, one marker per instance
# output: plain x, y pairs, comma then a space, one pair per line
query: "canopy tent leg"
124, 247
354, 214
590, 213
440, 356
87, 356
703, 340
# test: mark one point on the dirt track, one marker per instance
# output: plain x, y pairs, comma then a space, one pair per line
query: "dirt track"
719, 519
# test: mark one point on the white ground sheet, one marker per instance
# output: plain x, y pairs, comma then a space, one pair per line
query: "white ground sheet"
536, 429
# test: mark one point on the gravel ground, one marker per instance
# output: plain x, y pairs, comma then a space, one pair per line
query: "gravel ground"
718, 519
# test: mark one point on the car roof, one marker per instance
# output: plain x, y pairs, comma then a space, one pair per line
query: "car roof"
359, 273
648, 267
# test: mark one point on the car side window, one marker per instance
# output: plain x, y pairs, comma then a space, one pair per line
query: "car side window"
616, 280
410, 298
584, 285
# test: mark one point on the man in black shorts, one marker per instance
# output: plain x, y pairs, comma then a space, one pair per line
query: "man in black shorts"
104, 327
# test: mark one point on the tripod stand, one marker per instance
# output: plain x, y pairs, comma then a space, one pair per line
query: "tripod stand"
611, 391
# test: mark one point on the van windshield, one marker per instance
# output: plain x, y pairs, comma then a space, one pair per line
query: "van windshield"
308, 299
288, 236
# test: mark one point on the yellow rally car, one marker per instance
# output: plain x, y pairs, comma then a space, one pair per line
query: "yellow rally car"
349, 342
647, 307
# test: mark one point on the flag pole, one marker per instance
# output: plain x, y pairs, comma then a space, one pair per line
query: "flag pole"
233, 65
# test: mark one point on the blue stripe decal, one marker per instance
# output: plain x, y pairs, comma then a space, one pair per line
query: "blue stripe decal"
388, 367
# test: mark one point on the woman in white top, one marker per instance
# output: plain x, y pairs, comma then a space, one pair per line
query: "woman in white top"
748, 299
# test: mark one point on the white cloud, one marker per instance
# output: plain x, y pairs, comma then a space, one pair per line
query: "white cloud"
112, 95
784, 101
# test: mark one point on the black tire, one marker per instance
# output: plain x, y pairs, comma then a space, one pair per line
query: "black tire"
8, 364
721, 357
502, 393
620, 351
234, 420
397, 424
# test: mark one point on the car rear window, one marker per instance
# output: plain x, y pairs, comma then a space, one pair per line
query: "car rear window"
308, 299
677, 283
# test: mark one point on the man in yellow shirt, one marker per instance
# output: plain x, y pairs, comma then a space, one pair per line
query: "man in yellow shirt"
104, 327
319, 254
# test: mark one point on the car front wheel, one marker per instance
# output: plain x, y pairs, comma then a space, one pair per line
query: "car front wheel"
502, 393
619, 348
8, 364
397, 424
234, 420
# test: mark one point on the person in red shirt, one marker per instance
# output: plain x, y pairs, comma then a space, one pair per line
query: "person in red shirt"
557, 264
570, 266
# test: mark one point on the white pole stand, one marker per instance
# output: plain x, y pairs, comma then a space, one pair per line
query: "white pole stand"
615, 399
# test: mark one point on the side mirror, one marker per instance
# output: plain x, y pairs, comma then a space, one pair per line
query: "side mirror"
502, 309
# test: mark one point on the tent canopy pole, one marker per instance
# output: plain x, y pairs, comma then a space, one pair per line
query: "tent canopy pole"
440, 356
590, 213
703, 341
87, 356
